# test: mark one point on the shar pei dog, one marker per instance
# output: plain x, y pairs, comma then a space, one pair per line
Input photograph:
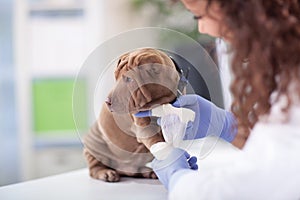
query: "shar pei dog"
118, 143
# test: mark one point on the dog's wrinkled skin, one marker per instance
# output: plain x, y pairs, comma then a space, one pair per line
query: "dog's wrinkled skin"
117, 144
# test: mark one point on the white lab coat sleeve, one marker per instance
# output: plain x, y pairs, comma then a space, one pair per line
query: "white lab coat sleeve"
267, 168
219, 183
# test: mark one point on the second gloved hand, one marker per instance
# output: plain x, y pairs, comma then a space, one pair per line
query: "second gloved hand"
209, 120
177, 160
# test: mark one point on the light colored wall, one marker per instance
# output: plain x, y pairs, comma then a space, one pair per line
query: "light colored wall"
9, 160
120, 16
20, 59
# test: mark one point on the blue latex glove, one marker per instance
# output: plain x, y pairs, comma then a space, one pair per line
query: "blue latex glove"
209, 120
177, 160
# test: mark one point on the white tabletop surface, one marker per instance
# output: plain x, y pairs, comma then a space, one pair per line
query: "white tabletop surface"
78, 185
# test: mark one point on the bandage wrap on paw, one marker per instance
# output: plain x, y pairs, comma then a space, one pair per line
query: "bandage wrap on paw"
173, 122
161, 150
184, 114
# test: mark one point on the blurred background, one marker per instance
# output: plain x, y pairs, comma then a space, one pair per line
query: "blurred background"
43, 43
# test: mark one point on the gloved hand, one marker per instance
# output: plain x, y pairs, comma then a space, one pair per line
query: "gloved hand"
209, 120
177, 160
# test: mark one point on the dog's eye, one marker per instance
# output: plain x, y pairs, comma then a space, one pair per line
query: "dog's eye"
127, 79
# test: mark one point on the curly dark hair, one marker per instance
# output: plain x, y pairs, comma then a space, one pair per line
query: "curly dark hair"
266, 54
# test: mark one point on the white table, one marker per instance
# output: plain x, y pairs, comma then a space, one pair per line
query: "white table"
78, 185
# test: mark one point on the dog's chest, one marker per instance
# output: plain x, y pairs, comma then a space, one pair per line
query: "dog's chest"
119, 132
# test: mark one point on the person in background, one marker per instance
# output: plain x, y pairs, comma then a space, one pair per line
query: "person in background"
264, 38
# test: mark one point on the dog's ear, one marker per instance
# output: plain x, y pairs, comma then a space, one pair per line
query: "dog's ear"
141, 57
122, 65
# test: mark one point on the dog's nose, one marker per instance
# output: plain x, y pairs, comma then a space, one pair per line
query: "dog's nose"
108, 103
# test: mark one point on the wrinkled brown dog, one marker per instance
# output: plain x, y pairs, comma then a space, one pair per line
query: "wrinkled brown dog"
118, 142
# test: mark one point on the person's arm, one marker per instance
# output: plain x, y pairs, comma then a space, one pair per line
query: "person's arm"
241, 178
267, 168
218, 183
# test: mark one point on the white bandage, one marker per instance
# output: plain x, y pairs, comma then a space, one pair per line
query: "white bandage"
184, 114
173, 124
173, 129
161, 150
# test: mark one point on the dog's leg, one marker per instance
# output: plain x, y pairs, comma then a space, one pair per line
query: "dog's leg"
147, 172
99, 171
148, 142
148, 132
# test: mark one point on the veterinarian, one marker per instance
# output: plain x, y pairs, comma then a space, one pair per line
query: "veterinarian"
264, 37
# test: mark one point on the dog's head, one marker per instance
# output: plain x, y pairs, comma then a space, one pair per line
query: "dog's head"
145, 79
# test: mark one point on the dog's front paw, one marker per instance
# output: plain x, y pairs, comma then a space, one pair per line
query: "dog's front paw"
148, 173
151, 175
108, 175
